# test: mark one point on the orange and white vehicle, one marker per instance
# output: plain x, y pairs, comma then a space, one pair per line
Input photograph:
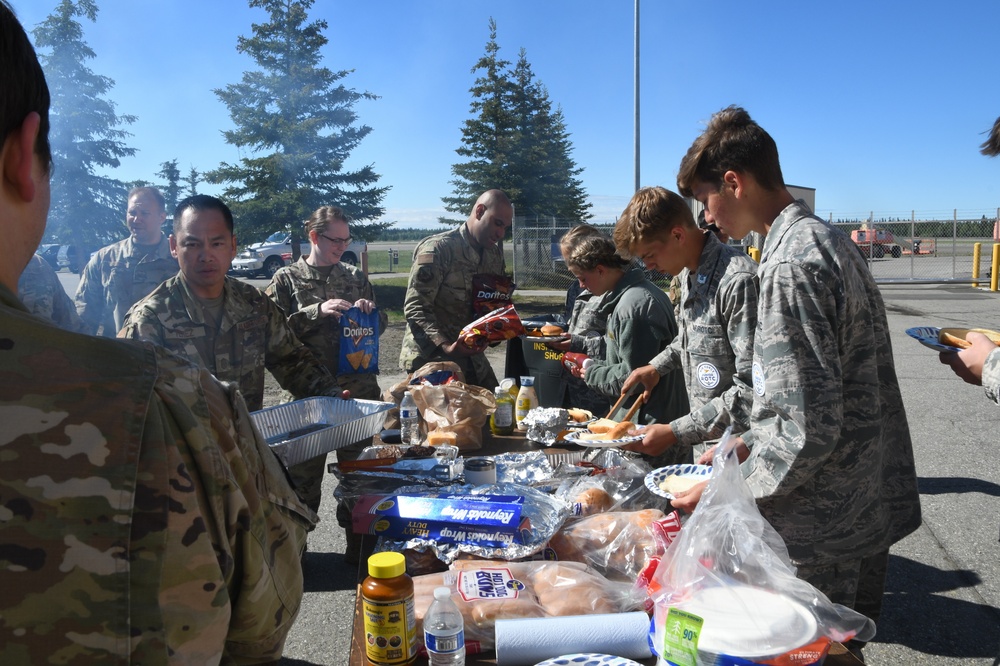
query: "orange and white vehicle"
876, 243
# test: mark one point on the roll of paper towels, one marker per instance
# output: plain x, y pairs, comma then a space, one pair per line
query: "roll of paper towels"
527, 641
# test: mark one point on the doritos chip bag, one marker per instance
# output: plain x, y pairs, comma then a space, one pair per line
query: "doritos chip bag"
358, 342
490, 292
501, 324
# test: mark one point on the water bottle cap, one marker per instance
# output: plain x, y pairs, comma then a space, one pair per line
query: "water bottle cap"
407, 393
442, 593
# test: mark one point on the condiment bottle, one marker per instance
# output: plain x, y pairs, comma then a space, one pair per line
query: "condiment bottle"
510, 386
502, 419
526, 401
389, 616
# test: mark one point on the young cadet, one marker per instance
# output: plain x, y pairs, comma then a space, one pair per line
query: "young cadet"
717, 315
828, 454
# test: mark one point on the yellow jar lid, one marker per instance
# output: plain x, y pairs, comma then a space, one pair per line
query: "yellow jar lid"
386, 565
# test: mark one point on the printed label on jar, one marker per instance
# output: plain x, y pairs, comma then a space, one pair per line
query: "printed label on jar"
390, 631
504, 416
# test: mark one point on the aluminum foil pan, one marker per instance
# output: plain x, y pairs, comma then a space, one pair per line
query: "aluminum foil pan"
303, 429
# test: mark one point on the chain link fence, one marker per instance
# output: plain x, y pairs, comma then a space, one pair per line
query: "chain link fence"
914, 250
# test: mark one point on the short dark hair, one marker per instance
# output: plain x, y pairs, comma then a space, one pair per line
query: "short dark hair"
23, 84
202, 202
732, 141
151, 191
650, 215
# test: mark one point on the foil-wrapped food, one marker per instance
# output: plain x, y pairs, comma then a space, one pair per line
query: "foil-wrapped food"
545, 424
496, 326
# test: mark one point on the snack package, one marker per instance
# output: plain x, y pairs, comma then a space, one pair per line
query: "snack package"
729, 573
496, 326
490, 292
358, 342
487, 591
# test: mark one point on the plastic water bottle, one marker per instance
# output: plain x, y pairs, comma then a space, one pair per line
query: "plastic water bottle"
409, 421
444, 631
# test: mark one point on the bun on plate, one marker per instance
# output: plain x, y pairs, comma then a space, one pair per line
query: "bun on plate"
601, 426
956, 337
580, 415
551, 329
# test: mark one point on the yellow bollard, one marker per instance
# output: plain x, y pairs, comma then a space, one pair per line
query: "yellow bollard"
977, 253
995, 266
754, 254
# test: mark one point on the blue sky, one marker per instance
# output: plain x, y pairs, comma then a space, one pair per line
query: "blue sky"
880, 106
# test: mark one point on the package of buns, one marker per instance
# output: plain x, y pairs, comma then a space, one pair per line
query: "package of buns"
486, 591
618, 544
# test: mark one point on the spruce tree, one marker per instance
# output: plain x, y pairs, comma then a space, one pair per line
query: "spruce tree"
517, 143
191, 181
172, 190
88, 208
296, 125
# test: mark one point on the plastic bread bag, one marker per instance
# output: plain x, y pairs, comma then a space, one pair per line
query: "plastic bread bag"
727, 582
487, 591
455, 407
628, 472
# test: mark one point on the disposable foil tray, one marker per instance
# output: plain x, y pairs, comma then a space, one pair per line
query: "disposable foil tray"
304, 429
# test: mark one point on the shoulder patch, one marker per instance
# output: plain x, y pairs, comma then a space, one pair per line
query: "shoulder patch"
425, 258
425, 274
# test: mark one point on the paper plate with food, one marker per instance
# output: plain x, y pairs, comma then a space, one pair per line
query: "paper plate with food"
948, 339
546, 333
666, 481
580, 418
605, 433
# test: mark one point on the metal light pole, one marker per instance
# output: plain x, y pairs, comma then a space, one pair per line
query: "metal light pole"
636, 103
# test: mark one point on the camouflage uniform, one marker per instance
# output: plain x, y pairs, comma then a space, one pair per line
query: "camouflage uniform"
43, 295
439, 301
253, 335
587, 326
714, 347
115, 278
991, 376
640, 326
831, 461
299, 290
145, 521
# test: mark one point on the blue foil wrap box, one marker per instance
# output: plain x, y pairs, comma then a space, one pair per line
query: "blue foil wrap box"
491, 520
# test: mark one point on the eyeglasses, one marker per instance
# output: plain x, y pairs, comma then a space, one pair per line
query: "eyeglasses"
337, 241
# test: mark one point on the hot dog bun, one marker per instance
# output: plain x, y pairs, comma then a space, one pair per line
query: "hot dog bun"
580, 415
620, 430
601, 426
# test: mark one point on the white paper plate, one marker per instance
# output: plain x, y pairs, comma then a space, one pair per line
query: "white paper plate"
750, 622
656, 477
574, 438
588, 659
544, 338
928, 337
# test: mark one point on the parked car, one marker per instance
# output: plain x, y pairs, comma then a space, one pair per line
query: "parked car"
876, 243
74, 257
264, 259
50, 253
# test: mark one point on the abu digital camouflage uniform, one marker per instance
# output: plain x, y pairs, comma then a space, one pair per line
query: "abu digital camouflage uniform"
831, 461
991, 376
640, 326
253, 335
143, 520
299, 290
115, 278
43, 295
714, 346
439, 301
587, 325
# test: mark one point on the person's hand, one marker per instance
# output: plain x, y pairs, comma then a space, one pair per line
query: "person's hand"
460, 349
647, 376
345, 395
365, 305
334, 307
656, 439
559, 345
706, 457
968, 363
742, 453
687, 500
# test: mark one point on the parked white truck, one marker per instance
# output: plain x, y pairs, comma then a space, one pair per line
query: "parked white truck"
265, 258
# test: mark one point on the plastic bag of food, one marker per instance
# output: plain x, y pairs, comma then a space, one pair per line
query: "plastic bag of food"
455, 407
436, 372
727, 583
487, 591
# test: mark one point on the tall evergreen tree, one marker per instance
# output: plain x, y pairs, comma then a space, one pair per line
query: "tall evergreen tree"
296, 123
515, 142
87, 208
192, 180
172, 190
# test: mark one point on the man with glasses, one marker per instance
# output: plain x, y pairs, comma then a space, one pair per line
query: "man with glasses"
121, 273
221, 323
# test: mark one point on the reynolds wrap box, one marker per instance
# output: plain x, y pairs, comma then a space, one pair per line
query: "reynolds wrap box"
490, 520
